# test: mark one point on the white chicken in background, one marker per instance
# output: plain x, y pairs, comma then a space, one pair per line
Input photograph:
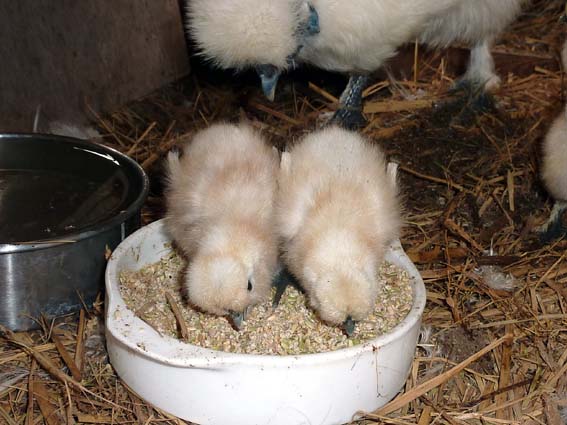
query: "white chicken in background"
220, 211
355, 37
554, 171
476, 23
337, 211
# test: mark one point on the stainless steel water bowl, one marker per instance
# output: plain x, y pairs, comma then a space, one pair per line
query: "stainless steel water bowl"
64, 204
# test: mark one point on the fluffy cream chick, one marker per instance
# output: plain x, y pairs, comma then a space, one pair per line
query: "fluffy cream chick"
220, 206
554, 172
554, 162
476, 23
337, 211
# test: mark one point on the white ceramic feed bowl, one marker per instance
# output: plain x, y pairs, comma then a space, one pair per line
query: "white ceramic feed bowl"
218, 388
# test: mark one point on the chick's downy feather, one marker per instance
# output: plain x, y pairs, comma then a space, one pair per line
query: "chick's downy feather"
554, 165
220, 202
554, 161
337, 212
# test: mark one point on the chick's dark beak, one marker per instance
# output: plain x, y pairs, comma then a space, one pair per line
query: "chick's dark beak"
236, 318
269, 76
348, 326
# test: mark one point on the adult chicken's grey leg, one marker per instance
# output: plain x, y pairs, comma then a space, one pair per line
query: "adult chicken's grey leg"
349, 115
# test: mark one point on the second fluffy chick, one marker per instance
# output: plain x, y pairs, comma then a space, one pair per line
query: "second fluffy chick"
554, 170
337, 212
220, 202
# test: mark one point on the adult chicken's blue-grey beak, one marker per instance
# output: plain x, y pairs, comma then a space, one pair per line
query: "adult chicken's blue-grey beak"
348, 326
236, 318
269, 75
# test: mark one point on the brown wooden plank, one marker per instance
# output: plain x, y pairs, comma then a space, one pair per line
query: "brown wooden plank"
62, 54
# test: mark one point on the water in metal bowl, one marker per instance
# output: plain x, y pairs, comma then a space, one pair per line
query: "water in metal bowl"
64, 204
43, 204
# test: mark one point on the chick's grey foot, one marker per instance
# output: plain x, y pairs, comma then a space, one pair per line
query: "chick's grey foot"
556, 226
349, 115
282, 279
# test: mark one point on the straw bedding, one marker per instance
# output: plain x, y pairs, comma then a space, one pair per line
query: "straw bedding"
489, 354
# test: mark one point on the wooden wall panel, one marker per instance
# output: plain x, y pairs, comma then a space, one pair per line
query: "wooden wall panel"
62, 53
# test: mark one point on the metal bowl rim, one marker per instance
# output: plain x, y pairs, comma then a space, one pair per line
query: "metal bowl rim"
93, 230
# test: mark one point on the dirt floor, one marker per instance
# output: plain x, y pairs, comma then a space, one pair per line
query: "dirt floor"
472, 203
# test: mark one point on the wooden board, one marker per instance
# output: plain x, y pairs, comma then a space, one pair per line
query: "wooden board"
62, 54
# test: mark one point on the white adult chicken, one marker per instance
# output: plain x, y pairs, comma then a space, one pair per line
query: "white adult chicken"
354, 37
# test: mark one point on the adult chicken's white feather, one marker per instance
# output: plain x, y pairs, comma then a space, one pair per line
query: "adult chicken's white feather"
358, 36
476, 23
239, 34
220, 206
353, 36
337, 212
